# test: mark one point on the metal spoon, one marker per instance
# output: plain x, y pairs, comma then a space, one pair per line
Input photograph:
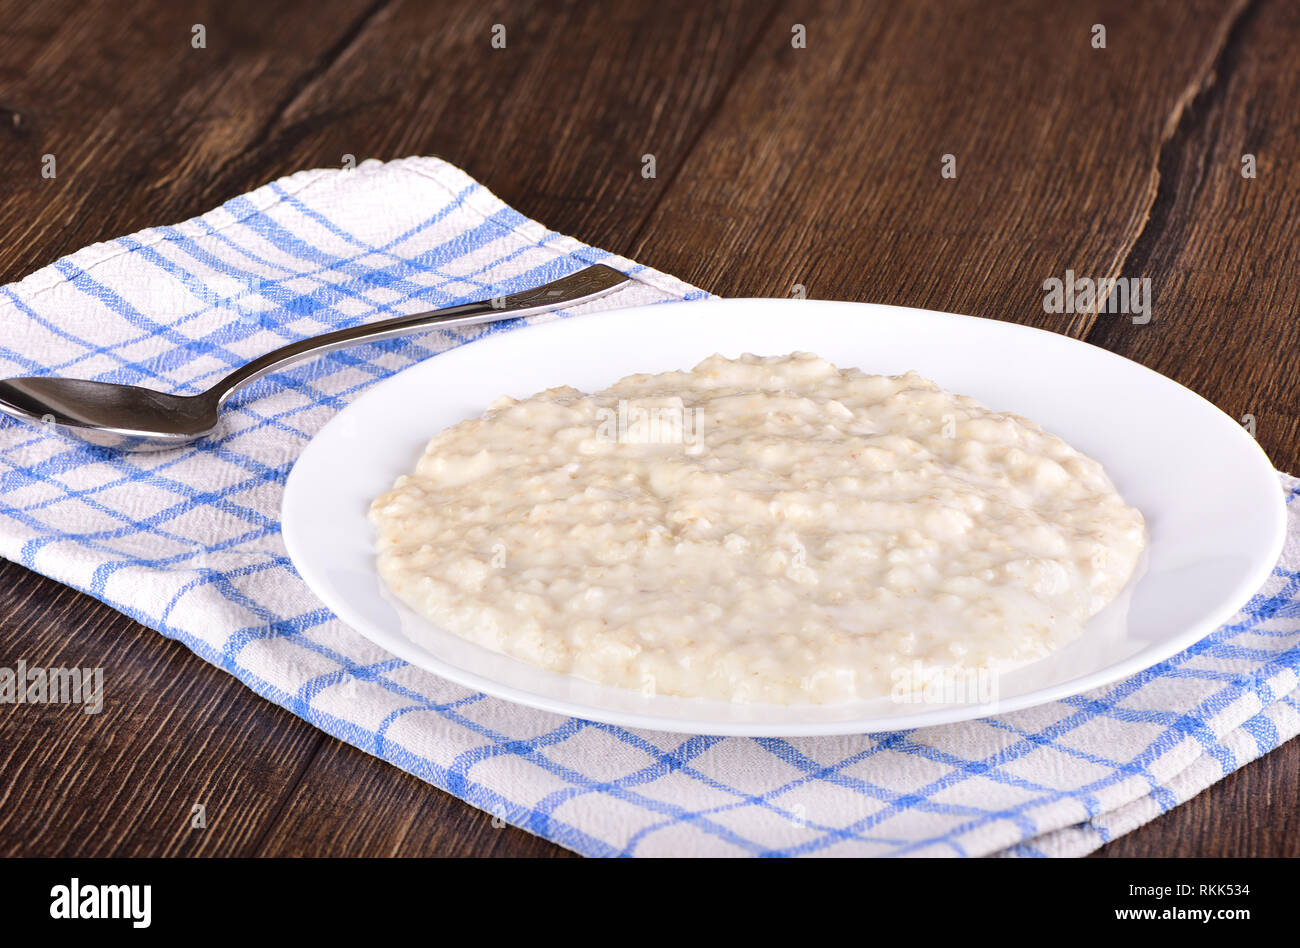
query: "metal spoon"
132, 418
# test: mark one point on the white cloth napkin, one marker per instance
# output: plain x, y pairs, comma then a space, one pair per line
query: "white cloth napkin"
187, 542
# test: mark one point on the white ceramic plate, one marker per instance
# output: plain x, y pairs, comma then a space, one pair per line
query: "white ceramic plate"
1211, 499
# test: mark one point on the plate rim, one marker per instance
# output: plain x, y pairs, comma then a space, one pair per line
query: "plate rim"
1145, 658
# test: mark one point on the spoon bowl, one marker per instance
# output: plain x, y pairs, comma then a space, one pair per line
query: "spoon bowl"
103, 413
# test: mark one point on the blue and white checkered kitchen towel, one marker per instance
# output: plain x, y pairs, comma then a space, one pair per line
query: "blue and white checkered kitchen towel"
187, 542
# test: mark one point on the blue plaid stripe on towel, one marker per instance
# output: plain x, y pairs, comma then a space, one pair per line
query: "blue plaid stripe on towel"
188, 542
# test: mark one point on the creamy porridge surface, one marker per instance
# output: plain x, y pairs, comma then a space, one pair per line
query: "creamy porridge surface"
769, 530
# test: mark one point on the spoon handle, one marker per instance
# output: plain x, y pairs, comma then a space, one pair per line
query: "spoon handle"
587, 284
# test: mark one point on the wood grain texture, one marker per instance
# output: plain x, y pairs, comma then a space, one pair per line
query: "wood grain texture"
774, 166
1221, 249
824, 165
174, 732
136, 118
608, 82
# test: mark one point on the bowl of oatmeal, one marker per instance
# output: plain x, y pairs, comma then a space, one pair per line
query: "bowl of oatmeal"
775, 517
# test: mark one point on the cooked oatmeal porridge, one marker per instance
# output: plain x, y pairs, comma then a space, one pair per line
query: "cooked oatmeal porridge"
761, 529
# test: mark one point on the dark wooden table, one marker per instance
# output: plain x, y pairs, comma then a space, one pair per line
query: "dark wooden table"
775, 166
